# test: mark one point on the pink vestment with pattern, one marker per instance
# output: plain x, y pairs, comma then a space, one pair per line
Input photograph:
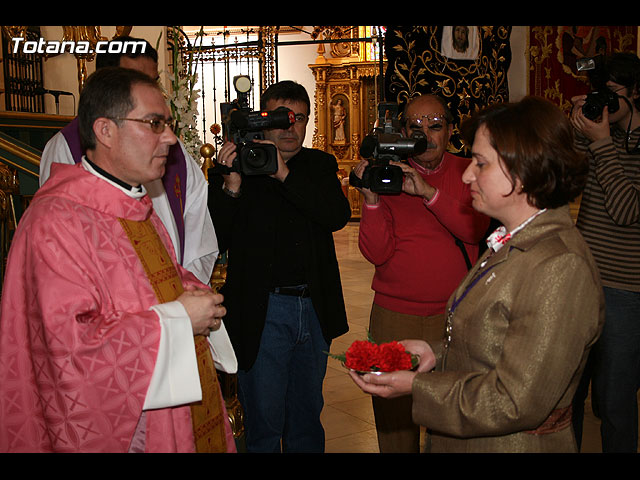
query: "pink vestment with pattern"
78, 342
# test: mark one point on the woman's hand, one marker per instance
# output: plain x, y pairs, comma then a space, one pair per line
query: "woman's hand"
397, 384
385, 385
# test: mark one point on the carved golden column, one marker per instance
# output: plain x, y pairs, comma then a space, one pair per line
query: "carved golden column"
356, 104
320, 133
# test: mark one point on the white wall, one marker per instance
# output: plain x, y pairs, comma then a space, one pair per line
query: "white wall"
518, 71
293, 64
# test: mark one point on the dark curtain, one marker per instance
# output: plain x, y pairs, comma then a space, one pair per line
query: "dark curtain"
421, 59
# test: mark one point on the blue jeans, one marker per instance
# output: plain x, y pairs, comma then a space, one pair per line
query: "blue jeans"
281, 394
616, 374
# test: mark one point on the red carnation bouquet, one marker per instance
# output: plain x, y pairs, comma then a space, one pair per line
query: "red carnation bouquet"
369, 356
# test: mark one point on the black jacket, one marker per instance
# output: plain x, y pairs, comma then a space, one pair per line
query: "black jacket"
245, 228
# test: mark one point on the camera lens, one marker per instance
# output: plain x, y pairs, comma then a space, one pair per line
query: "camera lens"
386, 175
597, 100
592, 110
256, 158
386, 179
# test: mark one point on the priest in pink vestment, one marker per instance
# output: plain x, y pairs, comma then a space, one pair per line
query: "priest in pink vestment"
99, 324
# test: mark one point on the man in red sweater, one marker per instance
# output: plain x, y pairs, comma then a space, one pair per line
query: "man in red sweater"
411, 240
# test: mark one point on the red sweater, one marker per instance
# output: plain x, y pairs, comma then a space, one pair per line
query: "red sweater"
411, 244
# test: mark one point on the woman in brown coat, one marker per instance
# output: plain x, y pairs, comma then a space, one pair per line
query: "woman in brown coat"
521, 324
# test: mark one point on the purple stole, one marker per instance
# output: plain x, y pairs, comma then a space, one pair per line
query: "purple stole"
174, 179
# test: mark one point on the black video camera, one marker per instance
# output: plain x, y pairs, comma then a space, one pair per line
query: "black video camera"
386, 144
601, 96
243, 126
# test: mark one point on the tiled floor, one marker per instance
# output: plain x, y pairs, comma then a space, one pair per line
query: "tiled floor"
348, 415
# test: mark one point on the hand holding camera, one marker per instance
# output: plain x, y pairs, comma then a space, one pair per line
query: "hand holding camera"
590, 114
593, 130
386, 147
226, 157
244, 128
414, 184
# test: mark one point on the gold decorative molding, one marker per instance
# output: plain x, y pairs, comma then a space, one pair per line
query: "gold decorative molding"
20, 152
14, 32
345, 109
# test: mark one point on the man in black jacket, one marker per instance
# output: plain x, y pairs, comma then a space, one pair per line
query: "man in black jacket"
283, 292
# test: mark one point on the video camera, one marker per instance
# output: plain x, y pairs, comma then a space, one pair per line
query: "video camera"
601, 96
242, 126
386, 144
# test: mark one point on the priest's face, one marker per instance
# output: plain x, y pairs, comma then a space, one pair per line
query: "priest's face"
139, 152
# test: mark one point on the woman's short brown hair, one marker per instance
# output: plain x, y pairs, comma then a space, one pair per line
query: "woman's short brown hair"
534, 140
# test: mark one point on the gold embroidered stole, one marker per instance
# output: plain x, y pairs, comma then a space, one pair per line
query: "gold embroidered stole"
207, 415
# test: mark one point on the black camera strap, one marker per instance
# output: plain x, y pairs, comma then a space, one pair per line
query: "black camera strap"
460, 244
628, 137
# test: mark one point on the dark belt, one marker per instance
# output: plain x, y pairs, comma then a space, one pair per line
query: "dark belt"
301, 291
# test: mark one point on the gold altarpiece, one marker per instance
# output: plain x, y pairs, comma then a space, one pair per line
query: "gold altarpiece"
346, 96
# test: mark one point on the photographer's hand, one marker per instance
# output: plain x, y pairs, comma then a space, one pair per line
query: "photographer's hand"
370, 198
590, 129
413, 183
283, 170
226, 156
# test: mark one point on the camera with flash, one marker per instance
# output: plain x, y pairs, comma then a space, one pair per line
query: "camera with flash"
601, 96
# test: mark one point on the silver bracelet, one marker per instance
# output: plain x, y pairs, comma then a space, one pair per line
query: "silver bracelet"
231, 193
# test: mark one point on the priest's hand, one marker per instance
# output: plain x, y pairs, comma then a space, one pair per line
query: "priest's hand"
204, 308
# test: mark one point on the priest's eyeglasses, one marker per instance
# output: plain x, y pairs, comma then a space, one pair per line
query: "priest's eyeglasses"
157, 124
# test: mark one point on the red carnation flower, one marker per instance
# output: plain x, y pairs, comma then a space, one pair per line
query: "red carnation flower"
369, 356
362, 356
393, 356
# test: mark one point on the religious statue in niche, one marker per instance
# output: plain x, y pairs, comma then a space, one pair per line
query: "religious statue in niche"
339, 117
460, 42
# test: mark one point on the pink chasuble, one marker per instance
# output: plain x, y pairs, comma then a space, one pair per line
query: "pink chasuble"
78, 342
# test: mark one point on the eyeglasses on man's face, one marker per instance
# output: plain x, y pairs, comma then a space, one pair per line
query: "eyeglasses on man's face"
432, 122
157, 124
